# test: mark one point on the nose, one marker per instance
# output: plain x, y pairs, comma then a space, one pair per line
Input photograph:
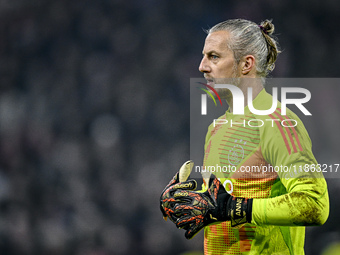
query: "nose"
204, 65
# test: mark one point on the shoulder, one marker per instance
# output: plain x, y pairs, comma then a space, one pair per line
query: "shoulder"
284, 128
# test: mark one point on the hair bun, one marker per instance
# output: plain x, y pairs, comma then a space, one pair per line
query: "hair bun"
268, 26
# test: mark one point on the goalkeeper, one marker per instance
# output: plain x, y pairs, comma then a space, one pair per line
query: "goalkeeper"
245, 212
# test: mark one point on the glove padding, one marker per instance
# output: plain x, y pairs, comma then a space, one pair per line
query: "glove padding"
193, 210
167, 200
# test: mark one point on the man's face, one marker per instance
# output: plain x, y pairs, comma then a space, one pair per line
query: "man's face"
218, 63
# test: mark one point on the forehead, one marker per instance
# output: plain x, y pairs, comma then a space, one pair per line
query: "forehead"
216, 41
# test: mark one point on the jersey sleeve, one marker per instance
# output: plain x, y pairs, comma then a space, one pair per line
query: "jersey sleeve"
289, 151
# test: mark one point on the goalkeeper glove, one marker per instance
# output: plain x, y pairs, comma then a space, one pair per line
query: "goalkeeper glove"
167, 201
193, 210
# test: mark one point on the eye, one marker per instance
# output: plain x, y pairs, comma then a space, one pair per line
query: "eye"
214, 57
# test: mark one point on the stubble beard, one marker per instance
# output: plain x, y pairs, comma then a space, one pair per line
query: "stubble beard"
233, 80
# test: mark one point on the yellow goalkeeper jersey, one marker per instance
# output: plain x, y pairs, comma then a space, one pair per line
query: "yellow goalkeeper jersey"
268, 158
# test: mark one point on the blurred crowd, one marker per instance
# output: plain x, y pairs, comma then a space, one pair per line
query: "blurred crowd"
94, 114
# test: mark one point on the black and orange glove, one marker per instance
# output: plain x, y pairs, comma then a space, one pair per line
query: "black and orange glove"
194, 210
167, 200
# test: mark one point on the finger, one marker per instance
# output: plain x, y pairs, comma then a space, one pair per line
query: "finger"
215, 187
185, 170
193, 230
162, 210
185, 221
168, 202
179, 208
212, 179
206, 177
173, 181
166, 207
168, 190
165, 193
183, 210
173, 218
185, 227
182, 197
182, 175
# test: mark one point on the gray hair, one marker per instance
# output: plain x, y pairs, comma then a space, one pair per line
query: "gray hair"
248, 38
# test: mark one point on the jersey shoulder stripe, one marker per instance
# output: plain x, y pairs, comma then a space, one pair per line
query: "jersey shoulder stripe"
282, 134
293, 129
287, 130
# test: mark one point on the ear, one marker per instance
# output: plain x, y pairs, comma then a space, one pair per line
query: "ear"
248, 65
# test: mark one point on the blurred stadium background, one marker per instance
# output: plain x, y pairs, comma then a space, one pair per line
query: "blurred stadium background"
94, 115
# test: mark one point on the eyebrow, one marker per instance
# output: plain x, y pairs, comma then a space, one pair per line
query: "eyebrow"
210, 52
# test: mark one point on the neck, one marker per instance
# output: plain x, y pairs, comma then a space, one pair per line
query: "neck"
256, 86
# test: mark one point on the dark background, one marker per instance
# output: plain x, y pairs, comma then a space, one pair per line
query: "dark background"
94, 115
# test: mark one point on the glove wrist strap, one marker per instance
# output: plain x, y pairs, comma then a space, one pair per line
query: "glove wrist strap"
239, 210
